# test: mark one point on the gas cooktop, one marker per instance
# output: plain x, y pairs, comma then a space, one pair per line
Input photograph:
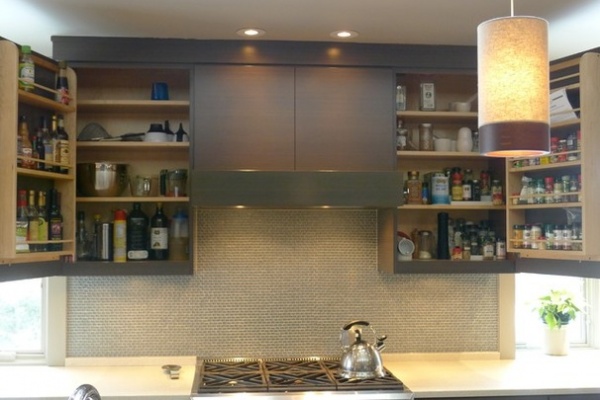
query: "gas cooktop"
289, 379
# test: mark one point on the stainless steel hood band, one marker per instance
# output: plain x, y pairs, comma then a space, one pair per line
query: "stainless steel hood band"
296, 189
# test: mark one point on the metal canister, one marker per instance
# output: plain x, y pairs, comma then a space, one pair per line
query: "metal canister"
104, 241
440, 189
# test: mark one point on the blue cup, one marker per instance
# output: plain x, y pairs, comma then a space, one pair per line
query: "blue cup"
160, 91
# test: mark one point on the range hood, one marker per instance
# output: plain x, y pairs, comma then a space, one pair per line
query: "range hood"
296, 189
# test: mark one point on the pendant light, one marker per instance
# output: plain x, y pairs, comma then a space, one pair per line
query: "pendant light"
513, 86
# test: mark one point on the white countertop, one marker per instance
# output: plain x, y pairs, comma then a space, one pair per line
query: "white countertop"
426, 375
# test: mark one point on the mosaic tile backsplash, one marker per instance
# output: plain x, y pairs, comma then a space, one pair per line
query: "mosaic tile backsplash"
279, 283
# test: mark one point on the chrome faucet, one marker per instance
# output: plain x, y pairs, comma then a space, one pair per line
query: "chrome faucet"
85, 392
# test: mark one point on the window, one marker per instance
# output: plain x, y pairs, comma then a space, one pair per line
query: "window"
528, 325
22, 318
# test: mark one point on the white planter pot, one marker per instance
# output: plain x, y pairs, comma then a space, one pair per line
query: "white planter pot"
556, 341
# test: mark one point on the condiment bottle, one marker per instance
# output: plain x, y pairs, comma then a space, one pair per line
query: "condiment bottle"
26, 70
24, 146
137, 234
62, 84
179, 237
120, 236
413, 184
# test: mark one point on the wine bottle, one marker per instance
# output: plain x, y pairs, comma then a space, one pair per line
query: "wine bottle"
62, 146
55, 143
81, 242
45, 146
33, 227
62, 84
22, 222
42, 221
159, 235
55, 231
137, 234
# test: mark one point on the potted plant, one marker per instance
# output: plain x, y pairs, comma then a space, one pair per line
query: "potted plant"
556, 311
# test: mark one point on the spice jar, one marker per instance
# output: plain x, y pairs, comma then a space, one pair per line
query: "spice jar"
518, 236
413, 185
425, 137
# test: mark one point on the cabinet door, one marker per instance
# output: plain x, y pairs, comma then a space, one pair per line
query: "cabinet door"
345, 119
244, 118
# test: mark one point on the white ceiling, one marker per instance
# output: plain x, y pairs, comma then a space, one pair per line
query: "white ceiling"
574, 24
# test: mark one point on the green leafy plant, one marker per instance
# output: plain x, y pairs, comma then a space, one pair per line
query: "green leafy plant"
557, 308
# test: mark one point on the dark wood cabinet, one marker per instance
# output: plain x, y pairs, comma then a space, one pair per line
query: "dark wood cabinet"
344, 119
244, 118
284, 118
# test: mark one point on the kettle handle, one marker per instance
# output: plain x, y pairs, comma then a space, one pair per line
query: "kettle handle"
357, 322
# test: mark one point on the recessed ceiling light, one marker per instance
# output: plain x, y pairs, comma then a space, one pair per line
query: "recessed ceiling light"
250, 32
344, 34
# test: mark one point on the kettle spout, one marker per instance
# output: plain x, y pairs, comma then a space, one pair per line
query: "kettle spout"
380, 345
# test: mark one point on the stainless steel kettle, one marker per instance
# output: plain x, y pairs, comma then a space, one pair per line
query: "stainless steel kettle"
360, 359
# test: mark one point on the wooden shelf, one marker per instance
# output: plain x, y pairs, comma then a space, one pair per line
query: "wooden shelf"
544, 167
36, 100
545, 205
45, 174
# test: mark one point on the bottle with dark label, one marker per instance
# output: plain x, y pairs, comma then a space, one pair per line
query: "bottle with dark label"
55, 222
159, 235
62, 146
22, 223
42, 221
62, 84
33, 228
137, 234
54, 142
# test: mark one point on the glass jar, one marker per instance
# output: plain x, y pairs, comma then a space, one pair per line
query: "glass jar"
425, 245
497, 198
518, 236
425, 137
549, 189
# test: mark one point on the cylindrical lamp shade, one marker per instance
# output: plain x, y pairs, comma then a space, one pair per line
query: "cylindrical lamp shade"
513, 87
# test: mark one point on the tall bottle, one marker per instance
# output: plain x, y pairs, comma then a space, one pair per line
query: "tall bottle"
33, 228
62, 146
54, 143
120, 236
24, 146
159, 235
81, 242
46, 149
137, 234
55, 230
43, 227
62, 84
26, 70
179, 237
22, 222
